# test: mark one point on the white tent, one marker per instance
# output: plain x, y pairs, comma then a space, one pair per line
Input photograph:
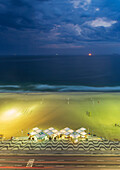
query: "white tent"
36, 128
67, 134
33, 133
83, 133
75, 135
82, 129
51, 128
50, 133
79, 131
47, 130
63, 131
39, 130
55, 131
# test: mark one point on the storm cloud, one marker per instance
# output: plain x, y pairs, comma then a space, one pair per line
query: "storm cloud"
31, 27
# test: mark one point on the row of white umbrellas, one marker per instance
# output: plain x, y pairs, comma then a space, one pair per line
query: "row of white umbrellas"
53, 132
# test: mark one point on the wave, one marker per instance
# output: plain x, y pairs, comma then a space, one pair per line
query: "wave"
69, 88
9, 86
55, 88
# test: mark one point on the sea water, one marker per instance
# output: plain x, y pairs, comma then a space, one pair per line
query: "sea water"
59, 73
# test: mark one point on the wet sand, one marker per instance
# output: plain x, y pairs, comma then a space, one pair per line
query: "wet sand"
98, 112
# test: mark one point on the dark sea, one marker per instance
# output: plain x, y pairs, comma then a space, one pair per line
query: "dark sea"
59, 73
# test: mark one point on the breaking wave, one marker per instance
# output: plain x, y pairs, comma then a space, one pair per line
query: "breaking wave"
55, 88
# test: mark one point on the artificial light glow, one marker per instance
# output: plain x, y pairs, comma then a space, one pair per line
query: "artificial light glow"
89, 54
10, 114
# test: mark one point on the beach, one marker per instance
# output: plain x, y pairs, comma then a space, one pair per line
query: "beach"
98, 112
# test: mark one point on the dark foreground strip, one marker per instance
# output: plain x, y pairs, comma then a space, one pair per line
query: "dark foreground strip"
13, 167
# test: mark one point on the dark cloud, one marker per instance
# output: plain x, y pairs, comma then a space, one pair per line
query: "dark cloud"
39, 23
19, 3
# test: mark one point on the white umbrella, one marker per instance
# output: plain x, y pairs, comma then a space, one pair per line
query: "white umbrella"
71, 130
33, 133
39, 130
83, 133
57, 134
50, 133
67, 129
67, 134
47, 130
41, 135
54, 131
83, 136
62, 131
36, 128
75, 135
82, 129
79, 131
51, 128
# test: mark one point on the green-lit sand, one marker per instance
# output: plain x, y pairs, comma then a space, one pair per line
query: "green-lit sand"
25, 111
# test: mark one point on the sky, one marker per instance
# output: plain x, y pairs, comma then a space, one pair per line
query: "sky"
63, 27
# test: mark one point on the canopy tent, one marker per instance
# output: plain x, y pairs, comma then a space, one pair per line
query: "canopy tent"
65, 130
41, 135
39, 131
52, 132
67, 134
33, 133
49, 133
36, 128
79, 130
83, 133
51, 128
62, 131
68, 130
82, 129
75, 135
47, 130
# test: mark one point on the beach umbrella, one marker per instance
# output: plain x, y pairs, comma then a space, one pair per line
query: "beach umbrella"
47, 130
55, 131
68, 130
71, 131
67, 134
62, 131
51, 128
36, 128
83, 133
33, 133
82, 136
82, 129
79, 131
40, 135
58, 133
39, 130
75, 135
49, 133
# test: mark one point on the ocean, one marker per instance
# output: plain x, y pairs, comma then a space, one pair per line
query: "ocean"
59, 73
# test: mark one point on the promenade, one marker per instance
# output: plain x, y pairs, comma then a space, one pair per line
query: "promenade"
60, 154
60, 147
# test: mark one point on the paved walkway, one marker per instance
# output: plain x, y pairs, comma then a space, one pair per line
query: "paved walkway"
60, 146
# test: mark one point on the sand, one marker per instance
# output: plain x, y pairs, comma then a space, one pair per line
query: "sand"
98, 112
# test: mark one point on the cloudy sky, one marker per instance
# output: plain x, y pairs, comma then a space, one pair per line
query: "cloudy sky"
45, 27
